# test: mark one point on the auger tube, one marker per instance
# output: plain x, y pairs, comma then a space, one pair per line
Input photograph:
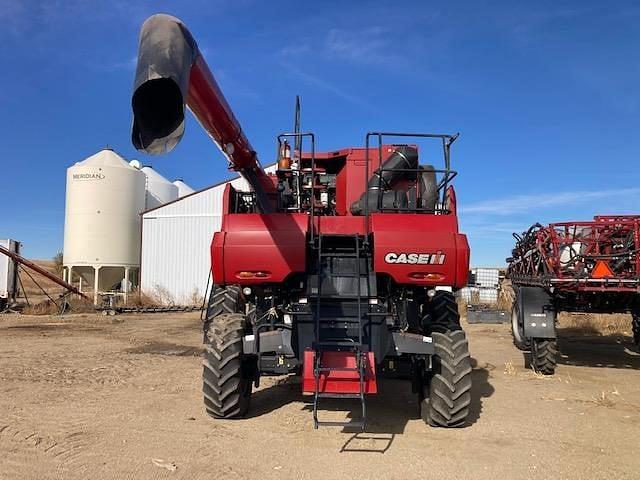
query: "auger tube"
171, 73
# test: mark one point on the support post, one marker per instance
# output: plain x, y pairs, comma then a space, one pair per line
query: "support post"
96, 276
126, 284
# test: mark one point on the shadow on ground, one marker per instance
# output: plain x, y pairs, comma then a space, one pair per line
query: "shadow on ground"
580, 348
388, 412
586, 349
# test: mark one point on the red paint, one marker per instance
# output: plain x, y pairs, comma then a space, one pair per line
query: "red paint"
208, 104
421, 234
597, 241
338, 382
273, 246
259, 248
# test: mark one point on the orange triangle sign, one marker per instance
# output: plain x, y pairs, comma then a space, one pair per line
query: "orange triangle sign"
601, 270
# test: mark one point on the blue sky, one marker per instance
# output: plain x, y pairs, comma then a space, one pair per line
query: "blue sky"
546, 96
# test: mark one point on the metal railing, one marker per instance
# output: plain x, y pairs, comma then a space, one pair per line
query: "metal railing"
448, 174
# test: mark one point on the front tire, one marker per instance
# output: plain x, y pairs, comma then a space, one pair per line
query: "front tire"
448, 394
544, 354
226, 376
517, 329
635, 326
447, 390
224, 300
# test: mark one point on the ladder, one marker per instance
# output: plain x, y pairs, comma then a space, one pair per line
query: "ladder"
325, 346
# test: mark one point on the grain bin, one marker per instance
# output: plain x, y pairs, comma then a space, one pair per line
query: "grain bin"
159, 189
104, 199
183, 188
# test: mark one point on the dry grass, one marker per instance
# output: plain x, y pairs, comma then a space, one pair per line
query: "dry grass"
31, 288
605, 399
595, 324
462, 306
47, 307
196, 298
162, 296
143, 299
506, 296
43, 308
509, 369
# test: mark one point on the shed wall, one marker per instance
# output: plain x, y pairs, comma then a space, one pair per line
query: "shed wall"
175, 258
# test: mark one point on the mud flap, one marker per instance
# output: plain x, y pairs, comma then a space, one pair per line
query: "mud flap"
278, 341
412, 343
538, 313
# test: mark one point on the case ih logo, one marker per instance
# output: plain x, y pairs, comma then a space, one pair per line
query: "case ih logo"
416, 258
88, 176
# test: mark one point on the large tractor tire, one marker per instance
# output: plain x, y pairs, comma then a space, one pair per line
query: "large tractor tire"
226, 377
544, 354
223, 300
227, 373
517, 329
443, 314
635, 326
448, 393
448, 397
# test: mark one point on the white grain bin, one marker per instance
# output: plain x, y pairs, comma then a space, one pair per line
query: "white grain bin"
159, 189
105, 196
183, 188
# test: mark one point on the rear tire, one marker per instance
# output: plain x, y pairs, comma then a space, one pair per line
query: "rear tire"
226, 376
544, 354
449, 391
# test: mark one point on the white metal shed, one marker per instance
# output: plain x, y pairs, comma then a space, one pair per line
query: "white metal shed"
176, 237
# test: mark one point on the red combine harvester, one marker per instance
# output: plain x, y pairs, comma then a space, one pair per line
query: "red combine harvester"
575, 267
337, 267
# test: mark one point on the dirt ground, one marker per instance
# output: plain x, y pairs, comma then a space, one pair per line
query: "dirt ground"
87, 396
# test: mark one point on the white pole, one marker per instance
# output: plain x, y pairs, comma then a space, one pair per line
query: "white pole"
96, 276
126, 284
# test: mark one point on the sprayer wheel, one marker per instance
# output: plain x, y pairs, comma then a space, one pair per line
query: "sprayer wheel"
226, 376
635, 325
517, 329
448, 395
544, 355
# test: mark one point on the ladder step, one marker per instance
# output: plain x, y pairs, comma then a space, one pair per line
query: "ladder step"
334, 296
340, 395
325, 345
352, 424
337, 369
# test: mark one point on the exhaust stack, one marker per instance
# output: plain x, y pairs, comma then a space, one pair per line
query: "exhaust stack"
172, 73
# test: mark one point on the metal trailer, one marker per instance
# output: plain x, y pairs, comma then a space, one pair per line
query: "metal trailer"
8, 274
589, 266
326, 269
